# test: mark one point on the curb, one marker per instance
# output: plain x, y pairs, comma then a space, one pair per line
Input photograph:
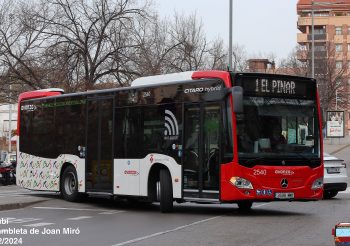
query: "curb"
340, 149
17, 205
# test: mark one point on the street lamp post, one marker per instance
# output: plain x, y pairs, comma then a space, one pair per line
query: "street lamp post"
10, 120
336, 99
312, 41
230, 37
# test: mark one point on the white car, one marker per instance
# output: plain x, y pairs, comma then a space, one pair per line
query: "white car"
335, 176
9, 160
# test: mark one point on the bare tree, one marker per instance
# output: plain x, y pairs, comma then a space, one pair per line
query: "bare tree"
76, 44
166, 46
331, 76
190, 55
20, 46
155, 47
239, 58
292, 65
93, 36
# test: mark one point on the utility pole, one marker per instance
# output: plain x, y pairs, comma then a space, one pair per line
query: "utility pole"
230, 37
336, 99
312, 41
10, 118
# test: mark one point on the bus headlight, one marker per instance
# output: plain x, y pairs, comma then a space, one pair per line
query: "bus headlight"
241, 183
317, 184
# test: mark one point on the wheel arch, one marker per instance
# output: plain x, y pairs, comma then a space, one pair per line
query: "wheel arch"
64, 167
153, 178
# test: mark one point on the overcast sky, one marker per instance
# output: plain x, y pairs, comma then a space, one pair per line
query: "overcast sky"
262, 26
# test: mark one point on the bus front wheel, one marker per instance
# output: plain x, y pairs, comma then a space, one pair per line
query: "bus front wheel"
166, 191
329, 194
244, 206
69, 185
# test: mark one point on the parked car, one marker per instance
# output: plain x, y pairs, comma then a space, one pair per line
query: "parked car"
8, 169
10, 160
335, 176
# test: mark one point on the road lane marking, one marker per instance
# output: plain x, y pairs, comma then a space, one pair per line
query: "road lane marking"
173, 230
111, 212
23, 220
165, 232
80, 218
39, 224
79, 209
260, 205
9, 192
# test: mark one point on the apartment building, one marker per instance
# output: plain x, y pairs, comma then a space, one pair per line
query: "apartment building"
331, 47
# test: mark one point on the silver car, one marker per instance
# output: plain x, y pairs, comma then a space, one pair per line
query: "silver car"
335, 176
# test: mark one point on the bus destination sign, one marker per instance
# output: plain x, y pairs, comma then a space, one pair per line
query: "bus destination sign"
275, 86
279, 86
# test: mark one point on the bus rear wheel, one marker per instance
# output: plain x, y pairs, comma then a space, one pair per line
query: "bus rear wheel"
244, 206
166, 191
69, 185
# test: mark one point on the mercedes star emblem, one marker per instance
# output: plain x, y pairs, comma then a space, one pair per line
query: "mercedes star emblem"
284, 183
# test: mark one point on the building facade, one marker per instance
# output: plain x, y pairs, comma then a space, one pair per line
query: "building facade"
331, 20
4, 126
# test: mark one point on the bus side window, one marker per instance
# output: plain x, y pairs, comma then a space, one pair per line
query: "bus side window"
128, 142
43, 131
26, 131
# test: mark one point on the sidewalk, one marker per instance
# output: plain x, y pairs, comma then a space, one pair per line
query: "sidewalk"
334, 145
13, 197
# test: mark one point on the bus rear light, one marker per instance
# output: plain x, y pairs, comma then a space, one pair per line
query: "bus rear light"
317, 184
241, 183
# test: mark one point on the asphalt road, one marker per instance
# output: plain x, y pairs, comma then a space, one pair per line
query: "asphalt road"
101, 221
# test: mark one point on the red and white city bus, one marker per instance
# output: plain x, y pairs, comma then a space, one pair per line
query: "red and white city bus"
205, 136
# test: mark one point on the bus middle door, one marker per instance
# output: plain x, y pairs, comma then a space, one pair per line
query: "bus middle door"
202, 124
99, 152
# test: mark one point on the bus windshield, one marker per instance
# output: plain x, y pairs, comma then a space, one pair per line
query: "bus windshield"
278, 129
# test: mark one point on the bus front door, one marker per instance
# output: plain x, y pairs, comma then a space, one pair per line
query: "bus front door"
201, 150
99, 148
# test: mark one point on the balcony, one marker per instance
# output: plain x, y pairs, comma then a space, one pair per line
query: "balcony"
320, 54
302, 38
304, 55
318, 21
307, 38
317, 37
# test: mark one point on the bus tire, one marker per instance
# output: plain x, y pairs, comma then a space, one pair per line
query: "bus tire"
69, 185
166, 191
329, 194
244, 206
6, 178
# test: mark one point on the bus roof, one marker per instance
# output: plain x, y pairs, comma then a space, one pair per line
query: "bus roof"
154, 81
162, 79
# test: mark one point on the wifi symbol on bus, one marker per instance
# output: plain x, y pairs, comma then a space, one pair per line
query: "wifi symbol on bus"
171, 125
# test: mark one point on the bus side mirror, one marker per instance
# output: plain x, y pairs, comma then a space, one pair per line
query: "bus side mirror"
237, 97
333, 231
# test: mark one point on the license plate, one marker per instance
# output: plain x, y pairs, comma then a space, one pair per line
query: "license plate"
333, 170
284, 195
